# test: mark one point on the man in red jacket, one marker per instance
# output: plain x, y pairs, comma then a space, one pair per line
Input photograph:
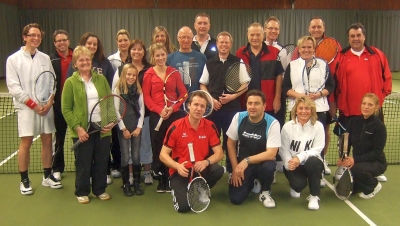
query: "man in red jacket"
360, 69
266, 70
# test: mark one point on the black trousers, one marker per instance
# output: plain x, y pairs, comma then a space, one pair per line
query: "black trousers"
222, 120
263, 171
61, 128
91, 161
157, 139
309, 172
364, 174
179, 185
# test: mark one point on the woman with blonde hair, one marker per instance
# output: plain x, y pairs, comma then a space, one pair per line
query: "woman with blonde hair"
367, 136
81, 92
130, 127
303, 140
160, 35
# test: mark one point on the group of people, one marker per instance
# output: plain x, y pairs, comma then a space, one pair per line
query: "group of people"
255, 138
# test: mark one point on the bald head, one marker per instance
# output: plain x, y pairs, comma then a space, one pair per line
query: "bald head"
185, 37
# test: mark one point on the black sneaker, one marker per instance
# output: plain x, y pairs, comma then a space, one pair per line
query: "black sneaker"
161, 187
168, 189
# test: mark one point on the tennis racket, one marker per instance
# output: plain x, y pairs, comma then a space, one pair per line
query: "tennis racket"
344, 187
175, 81
314, 76
105, 114
116, 63
287, 54
338, 129
327, 49
237, 77
45, 87
203, 94
198, 193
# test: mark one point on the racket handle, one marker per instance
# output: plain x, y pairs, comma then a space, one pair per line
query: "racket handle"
75, 145
159, 124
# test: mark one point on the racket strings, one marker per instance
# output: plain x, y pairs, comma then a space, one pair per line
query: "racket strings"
109, 112
45, 85
238, 77
344, 187
198, 194
327, 49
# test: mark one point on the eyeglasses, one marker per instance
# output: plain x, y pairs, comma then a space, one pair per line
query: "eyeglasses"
34, 36
185, 37
61, 40
273, 28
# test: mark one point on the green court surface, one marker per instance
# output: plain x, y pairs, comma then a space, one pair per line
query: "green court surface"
59, 206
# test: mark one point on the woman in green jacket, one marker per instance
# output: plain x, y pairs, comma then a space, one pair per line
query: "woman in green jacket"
81, 92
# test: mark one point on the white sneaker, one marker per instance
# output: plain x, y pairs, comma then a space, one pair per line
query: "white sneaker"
115, 174
109, 180
204, 198
327, 170
25, 187
257, 186
339, 173
294, 194
381, 178
266, 199
131, 179
148, 179
372, 194
57, 175
322, 182
51, 182
313, 202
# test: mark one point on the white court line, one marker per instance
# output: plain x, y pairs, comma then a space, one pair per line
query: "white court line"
353, 207
14, 154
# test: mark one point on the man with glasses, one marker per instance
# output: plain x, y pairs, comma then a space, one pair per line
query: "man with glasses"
186, 59
271, 29
33, 119
60, 61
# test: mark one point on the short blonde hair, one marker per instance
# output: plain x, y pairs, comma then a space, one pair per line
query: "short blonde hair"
122, 86
309, 103
225, 33
306, 38
78, 51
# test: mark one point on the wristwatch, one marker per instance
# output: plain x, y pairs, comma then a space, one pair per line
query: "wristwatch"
247, 160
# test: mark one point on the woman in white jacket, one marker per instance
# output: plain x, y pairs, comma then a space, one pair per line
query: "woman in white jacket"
302, 142
314, 81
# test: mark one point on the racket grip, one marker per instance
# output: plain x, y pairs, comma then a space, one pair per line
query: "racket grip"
159, 124
75, 145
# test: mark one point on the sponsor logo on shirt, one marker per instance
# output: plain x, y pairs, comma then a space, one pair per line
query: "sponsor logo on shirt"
203, 137
251, 135
184, 135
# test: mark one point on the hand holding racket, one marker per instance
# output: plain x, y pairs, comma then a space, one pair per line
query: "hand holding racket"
344, 187
105, 114
176, 80
327, 49
198, 193
44, 90
237, 79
